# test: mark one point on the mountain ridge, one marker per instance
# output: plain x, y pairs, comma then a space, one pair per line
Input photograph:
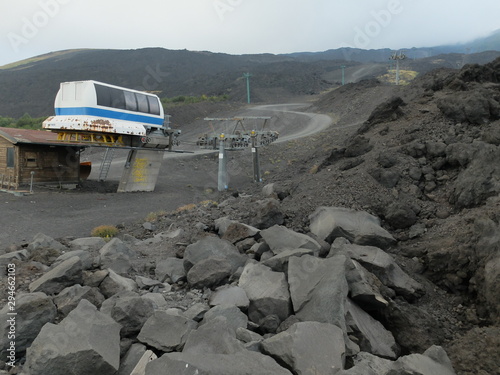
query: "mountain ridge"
29, 86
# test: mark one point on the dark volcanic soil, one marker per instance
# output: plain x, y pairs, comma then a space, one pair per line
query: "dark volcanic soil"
401, 153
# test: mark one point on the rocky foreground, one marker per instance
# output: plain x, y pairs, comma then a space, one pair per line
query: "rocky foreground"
241, 299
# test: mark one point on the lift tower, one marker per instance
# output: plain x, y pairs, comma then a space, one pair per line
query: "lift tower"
397, 58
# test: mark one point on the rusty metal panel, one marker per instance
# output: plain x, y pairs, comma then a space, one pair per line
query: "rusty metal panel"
94, 124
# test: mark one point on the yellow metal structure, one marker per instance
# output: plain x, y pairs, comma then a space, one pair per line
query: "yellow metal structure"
93, 138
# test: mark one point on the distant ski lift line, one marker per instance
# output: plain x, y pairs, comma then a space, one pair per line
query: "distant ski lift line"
240, 120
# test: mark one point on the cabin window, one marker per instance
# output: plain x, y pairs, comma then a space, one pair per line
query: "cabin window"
110, 97
142, 101
103, 95
117, 98
10, 157
130, 101
154, 106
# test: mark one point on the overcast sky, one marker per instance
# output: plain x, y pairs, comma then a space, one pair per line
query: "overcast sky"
33, 27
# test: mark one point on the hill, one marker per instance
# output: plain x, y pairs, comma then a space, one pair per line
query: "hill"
29, 86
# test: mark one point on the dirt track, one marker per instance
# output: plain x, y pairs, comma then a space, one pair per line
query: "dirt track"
185, 178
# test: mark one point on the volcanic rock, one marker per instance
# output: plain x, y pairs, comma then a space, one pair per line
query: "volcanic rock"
70, 297
213, 247
33, 311
267, 291
85, 342
170, 269
166, 332
358, 227
230, 295
240, 363
208, 273
308, 348
55, 280
280, 238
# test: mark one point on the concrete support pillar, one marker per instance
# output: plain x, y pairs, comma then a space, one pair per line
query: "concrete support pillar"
141, 171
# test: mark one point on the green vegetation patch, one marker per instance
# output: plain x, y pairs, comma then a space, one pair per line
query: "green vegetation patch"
24, 122
183, 99
405, 76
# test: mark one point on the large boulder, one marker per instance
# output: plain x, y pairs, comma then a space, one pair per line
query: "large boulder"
279, 262
233, 315
358, 227
364, 286
238, 231
87, 243
318, 289
131, 312
267, 213
70, 297
117, 256
41, 240
33, 311
240, 363
213, 247
114, 283
382, 265
368, 364
66, 274
170, 269
85, 342
230, 295
267, 291
165, 331
371, 334
85, 256
7, 258
130, 360
308, 348
215, 336
208, 273
280, 238
433, 361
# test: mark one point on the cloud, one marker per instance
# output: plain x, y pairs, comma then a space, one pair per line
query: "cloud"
33, 27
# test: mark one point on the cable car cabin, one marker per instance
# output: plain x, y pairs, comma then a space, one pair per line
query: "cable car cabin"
106, 114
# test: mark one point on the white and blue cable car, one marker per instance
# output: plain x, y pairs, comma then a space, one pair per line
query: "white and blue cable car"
99, 108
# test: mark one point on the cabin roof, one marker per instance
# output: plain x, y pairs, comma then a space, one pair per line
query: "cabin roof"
16, 136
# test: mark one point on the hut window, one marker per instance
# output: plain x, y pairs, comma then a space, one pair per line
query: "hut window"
10, 157
31, 162
31, 159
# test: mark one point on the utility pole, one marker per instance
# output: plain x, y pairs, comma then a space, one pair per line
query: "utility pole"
247, 76
397, 58
222, 177
343, 75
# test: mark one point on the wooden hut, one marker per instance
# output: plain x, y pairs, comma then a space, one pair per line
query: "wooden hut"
36, 156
